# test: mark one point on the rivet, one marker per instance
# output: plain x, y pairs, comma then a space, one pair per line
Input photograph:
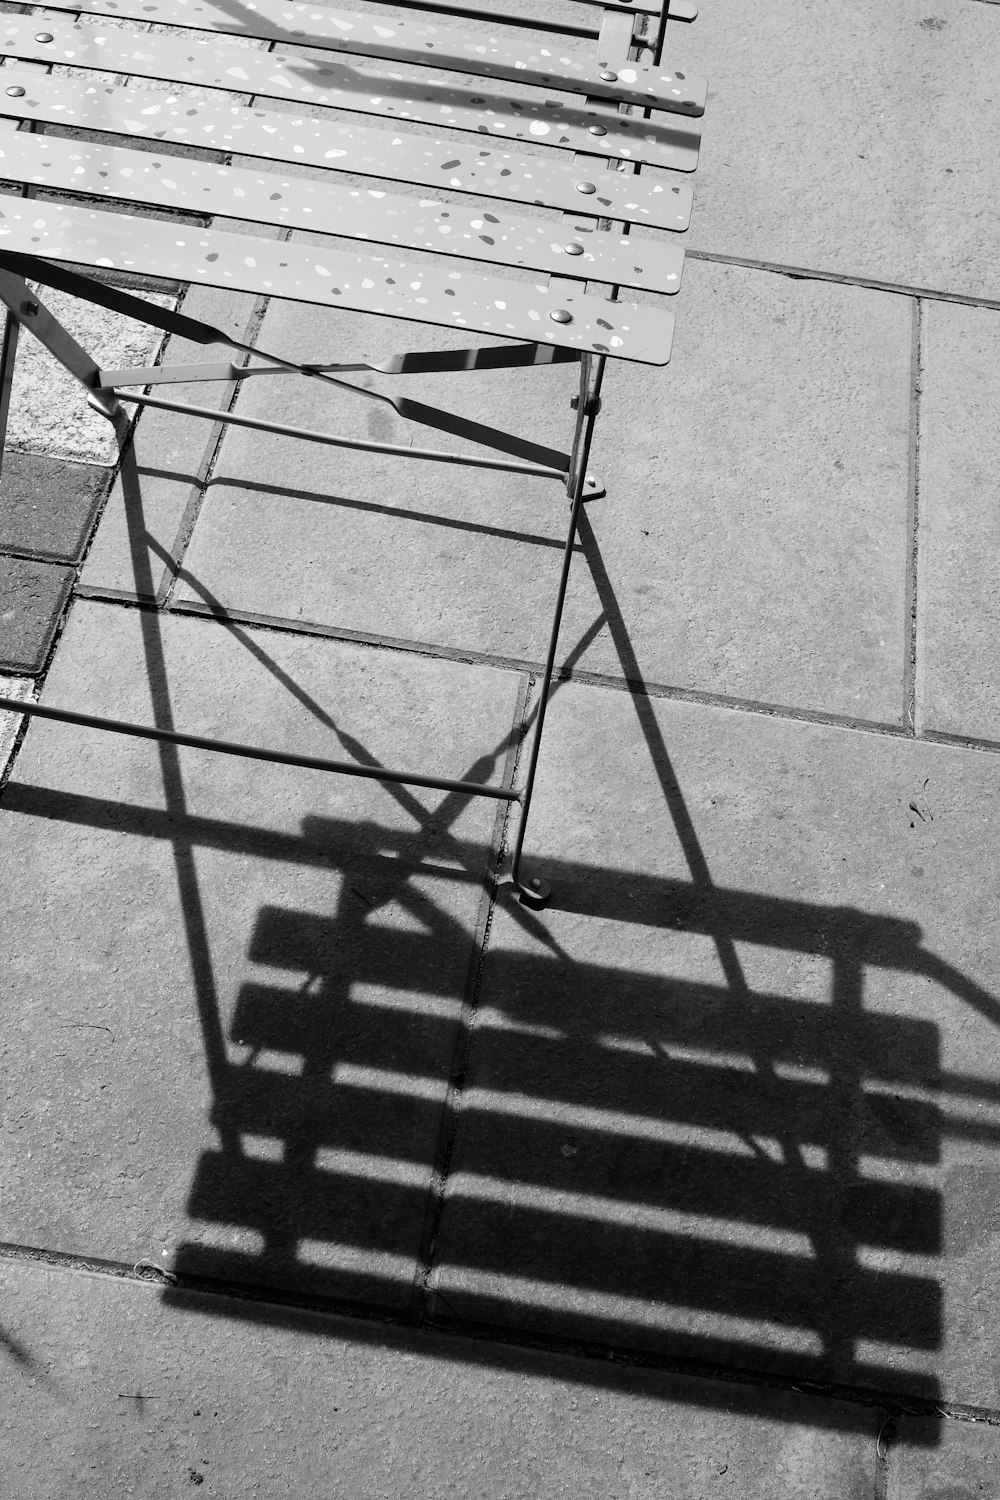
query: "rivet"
608, 76
561, 316
597, 129
43, 36
573, 248
534, 882
15, 91
581, 187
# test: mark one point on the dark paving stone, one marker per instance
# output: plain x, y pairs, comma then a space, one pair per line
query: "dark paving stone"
47, 506
32, 596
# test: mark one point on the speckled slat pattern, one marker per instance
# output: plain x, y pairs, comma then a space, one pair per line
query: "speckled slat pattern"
528, 64
424, 293
358, 213
586, 24
659, 203
670, 141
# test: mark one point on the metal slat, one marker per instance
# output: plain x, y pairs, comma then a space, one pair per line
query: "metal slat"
325, 208
670, 141
500, 11
341, 147
425, 46
422, 293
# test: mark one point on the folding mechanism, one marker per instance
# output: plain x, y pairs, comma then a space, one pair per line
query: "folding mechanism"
614, 125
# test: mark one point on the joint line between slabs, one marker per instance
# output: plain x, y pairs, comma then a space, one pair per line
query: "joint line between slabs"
600, 680
210, 458
868, 283
910, 633
423, 1292
893, 1403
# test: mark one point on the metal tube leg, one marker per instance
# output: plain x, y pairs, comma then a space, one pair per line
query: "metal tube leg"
8, 351
534, 891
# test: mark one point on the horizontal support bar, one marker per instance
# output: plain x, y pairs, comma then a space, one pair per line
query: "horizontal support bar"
255, 752
433, 455
423, 362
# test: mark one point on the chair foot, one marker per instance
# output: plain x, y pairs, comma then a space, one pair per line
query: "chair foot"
534, 893
107, 404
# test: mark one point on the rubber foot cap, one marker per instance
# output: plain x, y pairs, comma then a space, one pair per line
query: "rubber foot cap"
534, 893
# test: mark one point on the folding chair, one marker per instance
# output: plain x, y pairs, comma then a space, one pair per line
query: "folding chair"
605, 120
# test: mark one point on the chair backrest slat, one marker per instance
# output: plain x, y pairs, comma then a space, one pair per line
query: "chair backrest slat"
428, 293
528, 64
587, 21
356, 213
418, 160
670, 141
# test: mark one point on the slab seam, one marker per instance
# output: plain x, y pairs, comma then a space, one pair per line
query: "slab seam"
424, 1294
206, 469
843, 278
913, 521
883, 1443
605, 681
890, 1404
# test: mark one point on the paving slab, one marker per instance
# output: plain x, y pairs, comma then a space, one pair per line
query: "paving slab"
48, 505
754, 541
764, 558
32, 598
734, 1096
48, 407
929, 1459
11, 687
858, 139
221, 975
107, 1386
958, 615
134, 544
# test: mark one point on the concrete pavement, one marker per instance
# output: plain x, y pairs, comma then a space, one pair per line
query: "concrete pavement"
325, 1165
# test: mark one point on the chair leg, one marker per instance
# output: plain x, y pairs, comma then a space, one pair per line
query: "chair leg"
534, 891
8, 352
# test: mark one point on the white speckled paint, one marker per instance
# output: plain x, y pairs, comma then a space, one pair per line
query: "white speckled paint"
657, 202
672, 141
425, 293
476, 234
415, 42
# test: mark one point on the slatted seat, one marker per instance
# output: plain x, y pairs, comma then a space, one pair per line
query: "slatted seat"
612, 131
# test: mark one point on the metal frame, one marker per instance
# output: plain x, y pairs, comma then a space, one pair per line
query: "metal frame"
616, 33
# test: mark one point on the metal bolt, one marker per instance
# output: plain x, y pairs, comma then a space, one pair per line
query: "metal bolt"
534, 882
581, 187
573, 248
608, 76
43, 36
15, 91
29, 309
561, 316
597, 129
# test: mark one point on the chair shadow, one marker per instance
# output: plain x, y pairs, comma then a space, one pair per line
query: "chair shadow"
589, 1156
